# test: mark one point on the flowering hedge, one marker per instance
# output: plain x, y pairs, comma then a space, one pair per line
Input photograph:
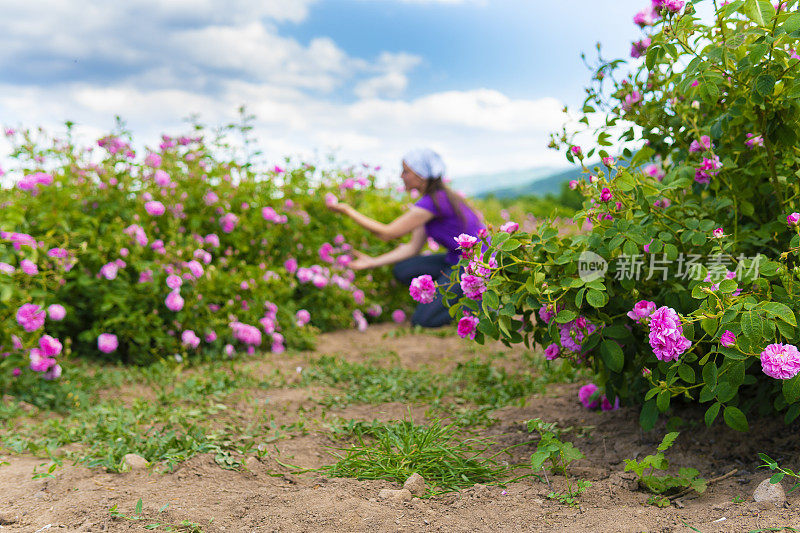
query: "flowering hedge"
685, 287
177, 252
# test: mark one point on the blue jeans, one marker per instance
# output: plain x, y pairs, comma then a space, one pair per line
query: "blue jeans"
433, 314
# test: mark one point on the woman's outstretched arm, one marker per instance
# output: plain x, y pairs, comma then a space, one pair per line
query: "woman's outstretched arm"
414, 218
403, 251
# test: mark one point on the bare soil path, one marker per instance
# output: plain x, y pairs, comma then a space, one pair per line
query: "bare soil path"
268, 496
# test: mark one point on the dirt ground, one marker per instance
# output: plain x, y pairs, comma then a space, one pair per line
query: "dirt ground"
267, 496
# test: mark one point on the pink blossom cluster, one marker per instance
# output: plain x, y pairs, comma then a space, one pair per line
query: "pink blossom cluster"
639, 48
641, 310
753, 140
666, 334
31, 181
780, 361
19, 239
552, 351
190, 339
546, 312
228, 222
710, 167
137, 233
107, 342
302, 317
631, 99
270, 215
154, 208
590, 397
115, 145
359, 320
473, 286
727, 339
702, 145
654, 171
510, 227
466, 242
646, 17
673, 6
31, 317
467, 325
423, 289
573, 333
245, 333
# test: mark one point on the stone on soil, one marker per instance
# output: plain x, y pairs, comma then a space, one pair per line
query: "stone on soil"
402, 495
416, 485
767, 492
134, 462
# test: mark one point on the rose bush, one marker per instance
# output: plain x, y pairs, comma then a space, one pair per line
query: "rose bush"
31, 270
685, 288
181, 250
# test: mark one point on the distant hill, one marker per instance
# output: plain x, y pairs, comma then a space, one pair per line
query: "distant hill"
481, 184
546, 185
537, 181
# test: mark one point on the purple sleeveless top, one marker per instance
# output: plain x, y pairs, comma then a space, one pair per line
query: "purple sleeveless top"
445, 225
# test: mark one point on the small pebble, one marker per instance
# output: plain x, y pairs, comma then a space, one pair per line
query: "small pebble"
767, 492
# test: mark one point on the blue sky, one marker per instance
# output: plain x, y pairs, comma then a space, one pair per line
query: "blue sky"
481, 81
525, 48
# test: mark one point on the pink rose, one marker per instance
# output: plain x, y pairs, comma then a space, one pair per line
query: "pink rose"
107, 342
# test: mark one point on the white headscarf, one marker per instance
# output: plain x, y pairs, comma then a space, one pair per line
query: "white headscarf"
425, 162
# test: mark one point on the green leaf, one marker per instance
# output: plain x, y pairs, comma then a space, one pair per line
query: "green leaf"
138, 509
710, 374
726, 391
644, 154
776, 478
711, 413
490, 300
579, 297
648, 415
753, 11
662, 400
765, 84
510, 245
781, 311
707, 393
596, 298
538, 459
612, 355
530, 285
667, 441
709, 325
653, 54
616, 332
686, 373
735, 418
791, 389
566, 315
791, 24
751, 325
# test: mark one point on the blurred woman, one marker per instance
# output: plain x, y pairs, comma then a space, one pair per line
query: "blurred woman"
439, 214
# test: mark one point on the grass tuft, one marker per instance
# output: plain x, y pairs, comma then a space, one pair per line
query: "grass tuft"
439, 453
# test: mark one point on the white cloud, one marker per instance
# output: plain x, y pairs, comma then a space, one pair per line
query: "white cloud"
165, 61
393, 78
476, 131
481, 2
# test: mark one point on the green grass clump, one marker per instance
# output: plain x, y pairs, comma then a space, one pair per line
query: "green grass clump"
475, 381
186, 417
439, 453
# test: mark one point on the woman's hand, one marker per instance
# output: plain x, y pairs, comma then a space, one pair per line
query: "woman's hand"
339, 207
361, 262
